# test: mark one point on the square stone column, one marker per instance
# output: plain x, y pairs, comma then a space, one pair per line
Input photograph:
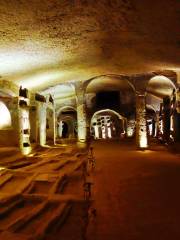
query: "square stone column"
33, 123
24, 130
81, 121
157, 127
141, 125
81, 113
15, 120
54, 122
42, 123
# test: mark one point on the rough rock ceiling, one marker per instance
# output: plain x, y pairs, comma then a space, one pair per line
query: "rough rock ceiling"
46, 42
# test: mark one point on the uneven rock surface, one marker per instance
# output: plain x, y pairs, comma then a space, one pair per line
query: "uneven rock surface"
37, 199
76, 40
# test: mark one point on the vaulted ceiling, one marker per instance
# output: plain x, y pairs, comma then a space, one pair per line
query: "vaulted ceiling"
44, 43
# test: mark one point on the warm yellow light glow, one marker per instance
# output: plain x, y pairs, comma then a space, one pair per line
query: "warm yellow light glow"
5, 117
96, 131
172, 125
17, 58
31, 155
143, 142
130, 132
40, 79
103, 132
42, 124
2, 168
26, 150
81, 133
109, 132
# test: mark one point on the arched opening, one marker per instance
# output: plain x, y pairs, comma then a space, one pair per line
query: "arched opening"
161, 96
68, 127
8, 119
67, 123
107, 124
117, 94
5, 119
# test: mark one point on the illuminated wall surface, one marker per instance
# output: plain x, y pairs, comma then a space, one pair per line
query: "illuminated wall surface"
5, 116
42, 124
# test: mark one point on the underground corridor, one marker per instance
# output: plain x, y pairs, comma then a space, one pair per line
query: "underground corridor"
89, 120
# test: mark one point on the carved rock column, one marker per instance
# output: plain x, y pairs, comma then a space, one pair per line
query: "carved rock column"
141, 125
42, 123
81, 113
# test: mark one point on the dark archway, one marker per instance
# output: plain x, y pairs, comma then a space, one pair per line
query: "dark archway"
67, 122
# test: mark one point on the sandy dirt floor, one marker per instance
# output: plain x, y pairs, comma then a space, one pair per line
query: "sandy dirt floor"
136, 193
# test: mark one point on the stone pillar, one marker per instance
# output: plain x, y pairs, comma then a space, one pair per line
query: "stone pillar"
157, 125
33, 124
81, 121
15, 120
20, 128
54, 124
24, 130
141, 125
42, 123
59, 129
81, 113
